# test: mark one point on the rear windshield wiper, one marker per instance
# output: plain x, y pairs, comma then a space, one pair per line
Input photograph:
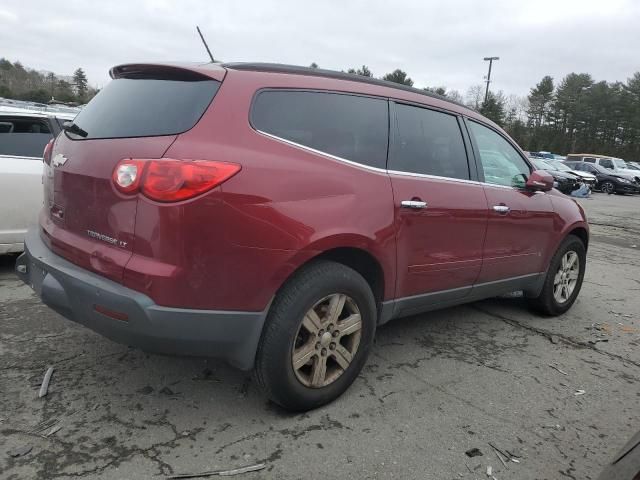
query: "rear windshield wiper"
75, 129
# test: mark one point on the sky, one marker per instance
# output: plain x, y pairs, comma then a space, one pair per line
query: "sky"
438, 43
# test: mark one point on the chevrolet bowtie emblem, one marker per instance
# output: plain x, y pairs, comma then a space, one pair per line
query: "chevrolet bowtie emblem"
59, 160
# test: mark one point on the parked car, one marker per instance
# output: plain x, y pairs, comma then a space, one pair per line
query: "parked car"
23, 136
268, 215
608, 182
564, 181
616, 165
634, 164
585, 177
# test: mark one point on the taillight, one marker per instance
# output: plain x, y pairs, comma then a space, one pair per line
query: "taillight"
46, 155
168, 180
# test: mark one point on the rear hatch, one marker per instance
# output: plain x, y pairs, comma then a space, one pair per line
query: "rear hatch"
139, 114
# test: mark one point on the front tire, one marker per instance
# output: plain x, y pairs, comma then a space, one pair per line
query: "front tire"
564, 278
608, 188
317, 337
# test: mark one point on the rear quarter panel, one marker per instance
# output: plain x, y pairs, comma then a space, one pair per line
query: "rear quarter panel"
286, 205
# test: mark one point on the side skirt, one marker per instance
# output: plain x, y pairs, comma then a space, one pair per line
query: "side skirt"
402, 307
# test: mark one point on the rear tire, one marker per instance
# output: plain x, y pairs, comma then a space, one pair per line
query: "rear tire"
317, 337
564, 278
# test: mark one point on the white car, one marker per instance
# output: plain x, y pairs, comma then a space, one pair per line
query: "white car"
23, 136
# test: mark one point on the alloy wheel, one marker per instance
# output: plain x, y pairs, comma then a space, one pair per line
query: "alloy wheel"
608, 187
327, 341
566, 278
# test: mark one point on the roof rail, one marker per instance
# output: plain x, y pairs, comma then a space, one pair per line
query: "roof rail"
320, 72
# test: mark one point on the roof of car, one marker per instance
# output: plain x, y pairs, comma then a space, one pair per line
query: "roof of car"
320, 72
218, 71
596, 155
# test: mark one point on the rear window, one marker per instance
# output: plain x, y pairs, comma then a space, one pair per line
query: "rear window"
144, 107
348, 126
23, 137
428, 142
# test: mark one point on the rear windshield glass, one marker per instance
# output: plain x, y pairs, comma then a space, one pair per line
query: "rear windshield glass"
143, 107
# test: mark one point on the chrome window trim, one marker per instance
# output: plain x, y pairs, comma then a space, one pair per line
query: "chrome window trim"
325, 154
376, 169
433, 177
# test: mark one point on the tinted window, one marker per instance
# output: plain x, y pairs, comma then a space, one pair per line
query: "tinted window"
143, 107
347, 126
428, 142
589, 159
606, 163
23, 137
501, 163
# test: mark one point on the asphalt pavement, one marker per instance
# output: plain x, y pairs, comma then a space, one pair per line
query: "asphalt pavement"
558, 396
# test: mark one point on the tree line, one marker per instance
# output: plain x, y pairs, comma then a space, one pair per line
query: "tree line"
20, 83
575, 115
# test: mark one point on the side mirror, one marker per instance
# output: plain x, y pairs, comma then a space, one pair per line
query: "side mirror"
539, 181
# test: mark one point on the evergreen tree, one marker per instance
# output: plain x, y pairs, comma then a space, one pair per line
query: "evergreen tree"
81, 84
398, 76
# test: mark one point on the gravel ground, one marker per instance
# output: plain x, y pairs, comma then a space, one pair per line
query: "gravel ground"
436, 386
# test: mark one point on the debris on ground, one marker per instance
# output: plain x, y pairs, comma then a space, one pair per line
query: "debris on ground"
167, 391
53, 430
554, 339
499, 453
221, 473
473, 452
489, 471
20, 451
558, 370
45, 383
555, 427
580, 392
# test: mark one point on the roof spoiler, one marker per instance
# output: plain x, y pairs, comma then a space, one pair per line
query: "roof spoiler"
160, 72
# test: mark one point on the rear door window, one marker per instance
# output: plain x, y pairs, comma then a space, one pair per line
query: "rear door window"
428, 142
23, 137
351, 127
146, 107
606, 163
501, 162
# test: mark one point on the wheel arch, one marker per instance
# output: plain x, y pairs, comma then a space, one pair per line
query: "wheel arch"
376, 266
582, 233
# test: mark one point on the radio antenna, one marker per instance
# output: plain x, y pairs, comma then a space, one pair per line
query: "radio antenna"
205, 44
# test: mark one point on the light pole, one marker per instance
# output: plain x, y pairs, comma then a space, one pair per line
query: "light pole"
490, 60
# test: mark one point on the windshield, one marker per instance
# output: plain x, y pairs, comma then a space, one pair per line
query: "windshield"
542, 165
619, 163
145, 107
601, 169
559, 165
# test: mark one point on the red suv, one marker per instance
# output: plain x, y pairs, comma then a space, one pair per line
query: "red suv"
274, 216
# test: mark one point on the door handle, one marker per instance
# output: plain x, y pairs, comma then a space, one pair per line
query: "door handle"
503, 209
415, 204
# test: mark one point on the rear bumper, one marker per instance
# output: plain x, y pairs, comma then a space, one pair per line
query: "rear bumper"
74, 293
